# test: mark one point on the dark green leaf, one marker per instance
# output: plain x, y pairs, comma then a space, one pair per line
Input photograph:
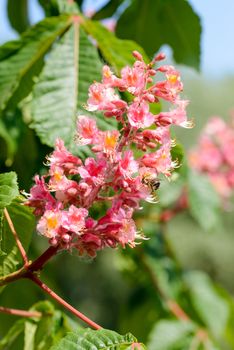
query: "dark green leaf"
160, 22
8, 188
116, 52
88, 339
211, 307
204, 203
171, 335
18, 14
62, 89
24, 222
22, 59
107, 10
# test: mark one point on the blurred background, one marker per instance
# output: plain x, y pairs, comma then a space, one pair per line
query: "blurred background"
111, 286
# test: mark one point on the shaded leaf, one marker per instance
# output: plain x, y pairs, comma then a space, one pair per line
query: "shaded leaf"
171, 22
23, 57
18, 14
62, 89
204, 203
210, 306
88, 339
171, 335
107, 10
116, 52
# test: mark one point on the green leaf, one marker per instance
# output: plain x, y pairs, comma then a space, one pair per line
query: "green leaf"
107, 10
24, 223
171, 22
62, 89
42, 333
88, 339
18, 14
210, 306
171, 335
8, 188
22, 60
204, 202
13, 333
117, 52
10, 143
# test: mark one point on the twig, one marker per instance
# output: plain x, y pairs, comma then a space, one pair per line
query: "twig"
61, 301
17, 312
18, 242
39, 263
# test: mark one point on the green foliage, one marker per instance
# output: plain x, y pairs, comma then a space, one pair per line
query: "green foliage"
39, 333
88, 339
163, 22
211, 307
17, 71
204, 203
116, 52
62, 88
24, 223
8, 188
171, 335
107, 10
18, 14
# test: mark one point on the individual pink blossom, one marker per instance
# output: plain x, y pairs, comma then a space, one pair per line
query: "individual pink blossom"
87, 131
62, 158
40, 197
49, 223
139, 115
93, 170
104, 99
73, 220
160, 161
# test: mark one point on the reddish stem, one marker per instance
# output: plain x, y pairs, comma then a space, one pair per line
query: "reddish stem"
39, 263
177, 310
18, 312
61, 301
18, 242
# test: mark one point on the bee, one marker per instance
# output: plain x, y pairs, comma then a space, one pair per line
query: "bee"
153, 183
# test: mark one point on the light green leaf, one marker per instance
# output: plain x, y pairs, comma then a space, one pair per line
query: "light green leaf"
13, 333
210, 306
160, 22
204, 202
24, 223
171, 335
8, 188
18, 14
9, 141
88, 339
22, 59
117, 52
62, 89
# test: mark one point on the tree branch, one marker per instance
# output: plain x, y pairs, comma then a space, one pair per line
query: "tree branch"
17, 312
18, 242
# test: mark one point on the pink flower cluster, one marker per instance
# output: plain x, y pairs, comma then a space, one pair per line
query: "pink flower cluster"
214, 155
63, 199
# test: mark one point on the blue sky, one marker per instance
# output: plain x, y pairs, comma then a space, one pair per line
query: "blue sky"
217, 19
